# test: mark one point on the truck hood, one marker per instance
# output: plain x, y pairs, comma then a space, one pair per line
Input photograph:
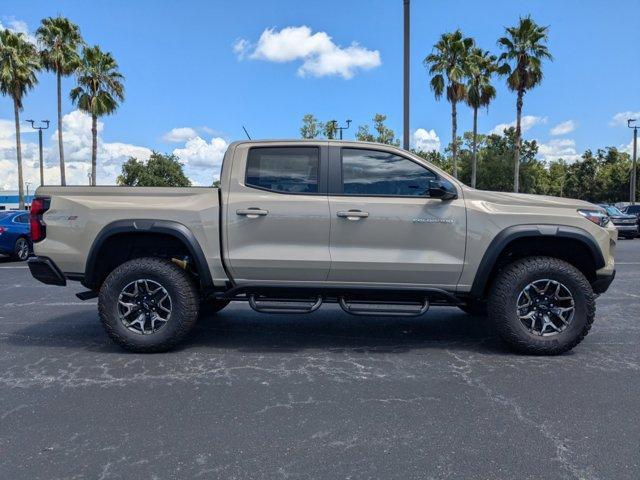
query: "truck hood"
526, 199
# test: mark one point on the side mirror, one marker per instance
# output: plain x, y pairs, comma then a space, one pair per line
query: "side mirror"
442, 189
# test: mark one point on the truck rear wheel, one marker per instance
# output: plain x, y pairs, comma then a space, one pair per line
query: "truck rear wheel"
542, 305
148, 305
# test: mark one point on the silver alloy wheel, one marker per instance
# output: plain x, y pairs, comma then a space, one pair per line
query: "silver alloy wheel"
22, 249
545, 307
144, 306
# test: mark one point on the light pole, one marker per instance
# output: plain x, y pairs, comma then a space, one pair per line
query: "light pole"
632, 180
27, 184
340, 129
407, 25
46, 122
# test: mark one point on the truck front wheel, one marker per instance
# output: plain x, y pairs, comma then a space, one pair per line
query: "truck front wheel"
542, 305
148, 305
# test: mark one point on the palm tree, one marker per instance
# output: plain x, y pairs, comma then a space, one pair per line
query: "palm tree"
98, 92
524, 49
480, 92
449, 60
19, 62
60, 40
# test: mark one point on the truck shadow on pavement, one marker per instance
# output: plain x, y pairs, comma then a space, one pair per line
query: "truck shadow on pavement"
241, 329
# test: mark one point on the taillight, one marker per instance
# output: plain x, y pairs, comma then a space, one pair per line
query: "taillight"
39, 205
2, 230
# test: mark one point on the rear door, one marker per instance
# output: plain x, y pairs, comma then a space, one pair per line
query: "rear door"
277, 213
384, 227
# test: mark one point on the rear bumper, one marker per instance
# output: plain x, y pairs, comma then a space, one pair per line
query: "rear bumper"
602, 282
46, 271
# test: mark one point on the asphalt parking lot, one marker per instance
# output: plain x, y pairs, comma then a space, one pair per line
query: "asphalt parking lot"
320, 396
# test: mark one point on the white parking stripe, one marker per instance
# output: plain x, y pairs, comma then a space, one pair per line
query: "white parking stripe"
627, 263
15, 267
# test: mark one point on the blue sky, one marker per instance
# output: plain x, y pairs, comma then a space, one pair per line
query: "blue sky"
182, 71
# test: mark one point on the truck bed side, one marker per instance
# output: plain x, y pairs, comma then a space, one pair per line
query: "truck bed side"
78, 215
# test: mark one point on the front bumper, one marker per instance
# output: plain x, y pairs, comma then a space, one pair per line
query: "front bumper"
602, 282
627, 229
46, 271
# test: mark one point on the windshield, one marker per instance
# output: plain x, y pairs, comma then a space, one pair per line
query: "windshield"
4, 215
613, 211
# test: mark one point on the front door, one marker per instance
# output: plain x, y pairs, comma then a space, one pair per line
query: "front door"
384, 227
277, 217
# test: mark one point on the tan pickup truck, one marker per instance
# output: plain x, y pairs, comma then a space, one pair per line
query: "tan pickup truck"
296, 224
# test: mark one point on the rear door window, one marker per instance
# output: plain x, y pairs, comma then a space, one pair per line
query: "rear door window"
283, 169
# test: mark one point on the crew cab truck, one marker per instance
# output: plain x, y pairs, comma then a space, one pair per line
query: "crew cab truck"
295, 224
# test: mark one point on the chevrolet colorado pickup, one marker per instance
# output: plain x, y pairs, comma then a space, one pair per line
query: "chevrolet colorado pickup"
295, 224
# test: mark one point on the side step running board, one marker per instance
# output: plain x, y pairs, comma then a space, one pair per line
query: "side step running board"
390, 309
284, 305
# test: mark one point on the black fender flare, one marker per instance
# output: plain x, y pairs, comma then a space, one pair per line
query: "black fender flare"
167, 227
502, 239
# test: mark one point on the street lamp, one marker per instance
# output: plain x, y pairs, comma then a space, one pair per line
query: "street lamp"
340, 129
27, 184
632, 180
46, 122
407, 38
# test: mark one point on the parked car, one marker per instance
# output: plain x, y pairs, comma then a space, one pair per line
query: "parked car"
626, 224
632, 210
15, 238
295, 224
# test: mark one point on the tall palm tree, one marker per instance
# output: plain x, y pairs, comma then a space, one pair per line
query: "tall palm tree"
60, 40
524, 49
98, 92
448, 66
19, 62
481, 66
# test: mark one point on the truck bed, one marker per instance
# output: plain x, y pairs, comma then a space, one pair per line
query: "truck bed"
78, 214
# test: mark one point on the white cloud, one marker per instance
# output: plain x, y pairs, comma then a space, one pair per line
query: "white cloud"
19, 26
77, 143
179, 134
563, 128
202, 160
526, 123
621, 118
425, 140
557, 148
320, 56
241, 47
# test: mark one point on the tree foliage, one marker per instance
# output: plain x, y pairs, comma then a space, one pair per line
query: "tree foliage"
524, 49
310, 127
160, 170
383, 134
19, 63
59, 39
600, 177
448, 67
99, 91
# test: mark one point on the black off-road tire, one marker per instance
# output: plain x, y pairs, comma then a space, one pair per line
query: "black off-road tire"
211, 307
474, 307
184, 302
504, 296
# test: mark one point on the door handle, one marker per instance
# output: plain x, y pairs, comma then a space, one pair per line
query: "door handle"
252, 212
353, 215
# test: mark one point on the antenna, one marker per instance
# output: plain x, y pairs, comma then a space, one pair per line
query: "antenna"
246, 133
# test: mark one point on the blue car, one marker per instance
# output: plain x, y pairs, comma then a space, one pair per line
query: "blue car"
15, 237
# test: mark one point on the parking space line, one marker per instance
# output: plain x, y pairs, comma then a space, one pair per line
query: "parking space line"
627, 263
16, 266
